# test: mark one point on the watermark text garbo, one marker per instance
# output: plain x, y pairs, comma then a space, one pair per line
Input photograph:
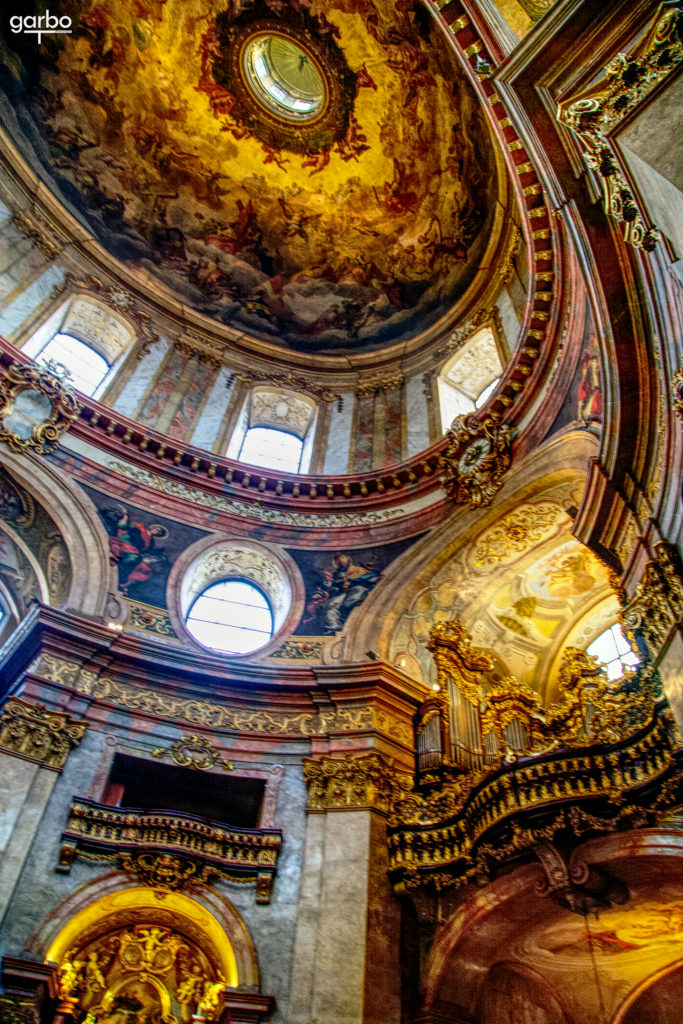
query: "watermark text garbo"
40, 24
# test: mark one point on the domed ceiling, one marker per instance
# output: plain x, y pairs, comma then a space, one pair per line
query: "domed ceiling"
316, 172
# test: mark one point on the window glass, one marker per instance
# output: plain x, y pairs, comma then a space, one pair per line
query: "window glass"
613, 650
87, 367
272, 449
486, 393
232, 616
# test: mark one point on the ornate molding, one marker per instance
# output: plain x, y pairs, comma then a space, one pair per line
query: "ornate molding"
300, 650
190, 344
369, 388
37, 405
595, 114
677, 387
195, 752
37, 734
47, 237
288, 380
116, 298
170, 851
209, 715
657, 606
475, 459
149, 619
351, 783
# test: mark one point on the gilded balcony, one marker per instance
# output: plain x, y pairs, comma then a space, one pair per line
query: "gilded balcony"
168, 850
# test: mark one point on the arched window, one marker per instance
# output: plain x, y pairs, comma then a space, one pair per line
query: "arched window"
471, 376
275, 430
272, 449
86, 366
232, 616
613, 650
87, 337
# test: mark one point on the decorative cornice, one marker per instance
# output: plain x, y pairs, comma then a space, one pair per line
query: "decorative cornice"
475, 459
52, 382
33, 732
351, 783
48, 238
368, 388
287, 380
594, 115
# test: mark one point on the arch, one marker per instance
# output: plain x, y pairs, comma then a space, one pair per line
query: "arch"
92, 576
97, 917
275, 408
655, 981
110, 891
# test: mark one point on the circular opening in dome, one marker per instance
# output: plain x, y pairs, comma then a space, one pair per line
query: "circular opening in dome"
233, 617
284, 77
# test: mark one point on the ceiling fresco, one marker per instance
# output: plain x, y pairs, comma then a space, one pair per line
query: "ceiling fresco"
358, 228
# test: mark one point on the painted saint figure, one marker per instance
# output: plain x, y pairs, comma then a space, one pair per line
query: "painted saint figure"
343, 586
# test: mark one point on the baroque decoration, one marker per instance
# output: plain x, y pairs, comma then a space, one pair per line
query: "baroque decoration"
597, 113
195, 752
159, 971
476, 456
346, 228
34, 732
118, 299
657, 606
465, 816
37, 405
170, 851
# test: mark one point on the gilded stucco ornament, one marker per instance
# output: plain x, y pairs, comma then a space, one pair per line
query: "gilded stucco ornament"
605, 747
163, 871
677, 385
195, 752
595, 114
351, 783
37, 405
475, 459
34, 732
657, 606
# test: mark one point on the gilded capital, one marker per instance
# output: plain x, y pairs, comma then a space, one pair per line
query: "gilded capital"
361, 782
33, 732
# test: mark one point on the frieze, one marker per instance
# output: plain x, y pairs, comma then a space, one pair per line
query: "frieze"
35, 733
677, 385
207, 714
255, 510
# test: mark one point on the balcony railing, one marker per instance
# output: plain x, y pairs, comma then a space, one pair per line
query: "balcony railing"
168, 850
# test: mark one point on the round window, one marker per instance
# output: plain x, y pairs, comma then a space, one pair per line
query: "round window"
284, 77
233, 617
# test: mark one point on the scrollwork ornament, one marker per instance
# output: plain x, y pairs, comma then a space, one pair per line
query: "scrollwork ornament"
163, 871
677, 386
628, 79
37, 405
35, 733
475, 459
195, 752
